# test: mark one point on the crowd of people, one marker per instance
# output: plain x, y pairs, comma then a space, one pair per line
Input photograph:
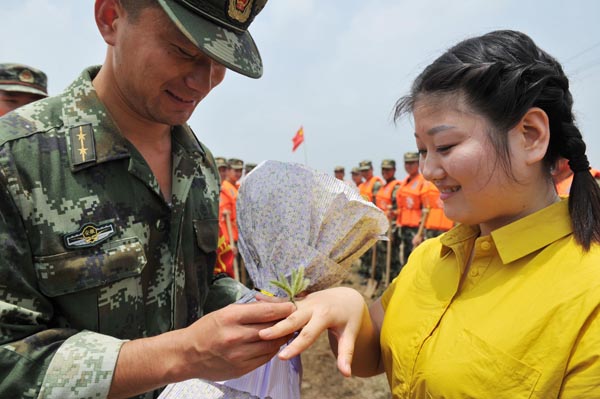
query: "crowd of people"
413, 208
115, 220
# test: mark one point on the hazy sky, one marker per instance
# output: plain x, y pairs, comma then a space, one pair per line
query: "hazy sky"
335, 67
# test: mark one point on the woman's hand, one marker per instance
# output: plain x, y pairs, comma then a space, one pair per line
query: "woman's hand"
340, 310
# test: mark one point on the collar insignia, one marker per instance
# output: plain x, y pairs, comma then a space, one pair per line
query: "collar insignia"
83, 149
89, 235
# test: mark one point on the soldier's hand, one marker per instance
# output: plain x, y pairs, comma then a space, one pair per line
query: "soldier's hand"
225, 344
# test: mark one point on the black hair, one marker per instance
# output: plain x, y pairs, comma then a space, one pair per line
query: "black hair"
501, 75
135, 7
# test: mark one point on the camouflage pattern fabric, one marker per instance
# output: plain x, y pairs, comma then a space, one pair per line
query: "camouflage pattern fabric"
406, 235
90, 252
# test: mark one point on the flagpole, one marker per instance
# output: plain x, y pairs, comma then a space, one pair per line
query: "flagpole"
304, 149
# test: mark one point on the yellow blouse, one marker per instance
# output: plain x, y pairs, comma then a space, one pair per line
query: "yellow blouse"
522, 322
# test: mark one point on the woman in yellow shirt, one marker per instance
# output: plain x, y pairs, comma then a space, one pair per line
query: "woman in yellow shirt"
506, 304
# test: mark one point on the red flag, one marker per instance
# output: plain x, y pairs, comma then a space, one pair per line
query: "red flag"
224, 256
298, 138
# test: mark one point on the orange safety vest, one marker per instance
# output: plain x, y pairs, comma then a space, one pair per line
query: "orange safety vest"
563, 187
366, 188
383, 199
227, 200
436, 219
408, 199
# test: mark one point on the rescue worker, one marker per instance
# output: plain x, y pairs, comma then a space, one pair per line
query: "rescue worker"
368, 190
372, 184
385, 199
433, 220
356, 176
339, 172
409, 200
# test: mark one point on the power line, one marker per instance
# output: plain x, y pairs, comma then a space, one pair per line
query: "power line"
582, 52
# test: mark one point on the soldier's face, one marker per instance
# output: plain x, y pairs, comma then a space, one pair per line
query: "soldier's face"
10, 100
412, 168
387, 173
234, 175
160, 74
223, 173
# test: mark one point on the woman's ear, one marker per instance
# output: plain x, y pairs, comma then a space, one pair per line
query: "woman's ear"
107, 13
533, 135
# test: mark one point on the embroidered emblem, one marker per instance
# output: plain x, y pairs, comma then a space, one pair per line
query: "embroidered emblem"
240, 10
89, 235
82, 144
26, 76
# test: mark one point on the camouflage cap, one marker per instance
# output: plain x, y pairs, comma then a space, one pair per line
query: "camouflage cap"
365, 165
355, 170
388, 164
411, 157
220, 29
23, 78
235, 163
339, 169
221, 162
249, 167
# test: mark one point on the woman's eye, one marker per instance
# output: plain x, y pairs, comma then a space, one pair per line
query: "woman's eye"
444, 148
422, 153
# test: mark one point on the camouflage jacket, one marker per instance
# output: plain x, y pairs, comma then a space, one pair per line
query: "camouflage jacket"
90, 252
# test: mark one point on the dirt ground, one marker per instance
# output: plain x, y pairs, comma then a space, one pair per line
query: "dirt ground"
322, 380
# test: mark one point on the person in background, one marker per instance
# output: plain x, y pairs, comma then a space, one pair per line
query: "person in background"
386, 201
368, 190
228, 198
339, 172
433, 220
371, 184
222, 166
506, 304
410, 204
563, 176
19, 85
109, 215
248, 168
356, 176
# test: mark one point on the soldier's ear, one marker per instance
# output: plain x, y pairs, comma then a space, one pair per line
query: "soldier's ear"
107, 14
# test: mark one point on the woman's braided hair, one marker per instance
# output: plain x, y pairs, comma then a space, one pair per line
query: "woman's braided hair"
502, 75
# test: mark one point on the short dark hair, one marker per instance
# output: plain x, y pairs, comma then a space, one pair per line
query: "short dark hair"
501, 75
135, 7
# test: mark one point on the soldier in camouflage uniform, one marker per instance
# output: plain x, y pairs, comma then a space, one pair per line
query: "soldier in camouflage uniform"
109, 216
19, 85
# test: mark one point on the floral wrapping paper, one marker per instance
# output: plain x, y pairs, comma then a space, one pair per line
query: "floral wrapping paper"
291, 216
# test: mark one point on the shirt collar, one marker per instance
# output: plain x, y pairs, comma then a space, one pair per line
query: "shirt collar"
520, 238
533, 232
81, 106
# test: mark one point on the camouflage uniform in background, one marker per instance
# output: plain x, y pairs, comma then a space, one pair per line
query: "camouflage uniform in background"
90, 252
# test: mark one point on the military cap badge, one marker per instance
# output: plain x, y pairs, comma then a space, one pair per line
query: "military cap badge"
26, 76
240, 10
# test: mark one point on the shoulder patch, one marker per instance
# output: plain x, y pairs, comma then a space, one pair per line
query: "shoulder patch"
83, 149
89, 235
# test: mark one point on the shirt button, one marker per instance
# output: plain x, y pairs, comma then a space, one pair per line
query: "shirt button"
161, 225
474, 273
486, 246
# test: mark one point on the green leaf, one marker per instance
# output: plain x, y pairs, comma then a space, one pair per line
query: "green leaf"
292, 288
